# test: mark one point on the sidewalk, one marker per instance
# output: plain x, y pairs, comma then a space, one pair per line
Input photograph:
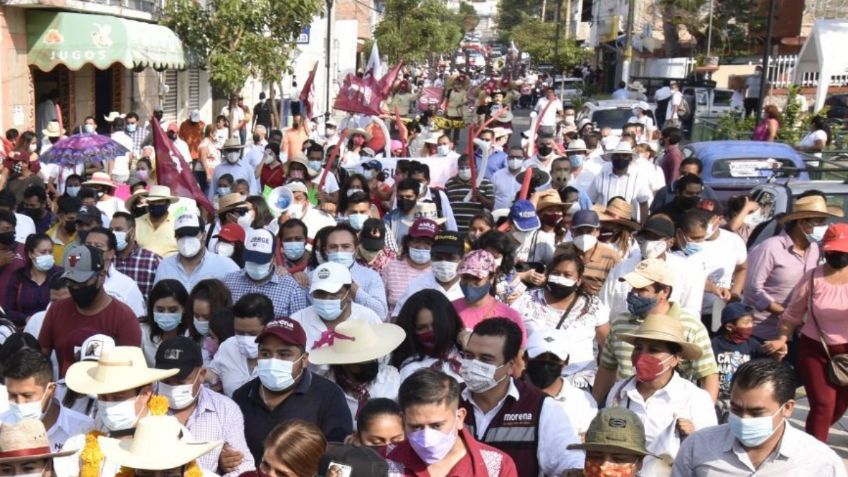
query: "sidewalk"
838, 440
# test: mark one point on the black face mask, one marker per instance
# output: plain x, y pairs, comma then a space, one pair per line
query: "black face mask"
560, 291
543, 373
7, 238
70, 227
256, 139
157, 211
837, 260
406, 204
84, 296
687, 203
367, 372
545, 150
82, 235
158, 115
172, 136
32, 212
620, 163
139, 210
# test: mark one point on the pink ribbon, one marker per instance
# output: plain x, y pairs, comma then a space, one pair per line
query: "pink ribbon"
328, 338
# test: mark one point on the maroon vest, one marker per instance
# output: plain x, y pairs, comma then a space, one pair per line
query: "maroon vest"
515, 429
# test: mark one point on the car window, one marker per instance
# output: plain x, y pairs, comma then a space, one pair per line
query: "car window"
701, 97
722, 98
749, 168
687, 153
613, 118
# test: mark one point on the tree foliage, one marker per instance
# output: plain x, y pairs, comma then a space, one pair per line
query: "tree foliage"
412, 30
737, 26
539, 40
512, 13
235, 39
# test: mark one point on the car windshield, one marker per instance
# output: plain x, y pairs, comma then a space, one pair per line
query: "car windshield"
611, 118
750, 167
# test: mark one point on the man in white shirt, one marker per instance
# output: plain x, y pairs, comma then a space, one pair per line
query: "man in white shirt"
545, 153
640, 116
620, 179
253, 153
673, 108
752, 91
506, 186
173, 132
548, 120
32, 395
117, 284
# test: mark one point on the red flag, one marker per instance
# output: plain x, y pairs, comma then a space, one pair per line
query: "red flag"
388, 80
428, 95
359, 95
173, 171
307, 94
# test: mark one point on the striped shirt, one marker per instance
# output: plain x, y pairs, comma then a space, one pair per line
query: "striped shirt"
634, 186
397, 275
598, 264
285, 293
464, 210
616, 353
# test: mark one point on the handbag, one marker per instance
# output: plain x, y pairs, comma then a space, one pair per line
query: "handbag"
837, 364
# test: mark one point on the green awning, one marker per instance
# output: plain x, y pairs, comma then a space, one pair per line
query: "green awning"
77, 39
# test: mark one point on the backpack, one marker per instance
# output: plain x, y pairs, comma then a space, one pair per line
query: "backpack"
683, 111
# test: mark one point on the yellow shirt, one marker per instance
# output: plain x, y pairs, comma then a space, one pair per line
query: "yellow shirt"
58, 245
161, 240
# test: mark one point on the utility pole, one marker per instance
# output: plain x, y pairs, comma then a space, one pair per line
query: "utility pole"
329, 58
556, 40
544, 5
628, 41
567, 18
766, 53
710, 31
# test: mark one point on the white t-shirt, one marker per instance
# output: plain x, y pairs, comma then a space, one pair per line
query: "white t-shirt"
721, 257
24, 227
125, 290
541, 244
811, 139
59, 173
676, 99
647, 125
579, 406
550, 117
655, 175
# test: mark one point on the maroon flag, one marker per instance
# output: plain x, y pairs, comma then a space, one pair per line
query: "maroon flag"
359, 95
173, 171
388, 80
307, 94
430, 95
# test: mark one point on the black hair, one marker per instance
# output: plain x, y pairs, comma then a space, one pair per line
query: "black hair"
132, 114
692, 161
58, 282
32, 241
316, 148
446, 325
290, 224
111, 241
691, 220
226, 178
343, 198
36, 191
7, 199
126, 216
341, 228
221, 324
409, 184
87, 193
569, 257
357, 198
811, 193
758, 372
254, 305
501, 242
274, 147
68, 205
428, 386
7, 216
502, 327
29, 363
376, 407
416, 167
262, 215
168, 288
688, 180
318, 244
12, 134
820, 123
672, 135
16, 342
592, 139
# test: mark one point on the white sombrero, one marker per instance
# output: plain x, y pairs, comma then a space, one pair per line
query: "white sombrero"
159, 443
118, 369
357, 341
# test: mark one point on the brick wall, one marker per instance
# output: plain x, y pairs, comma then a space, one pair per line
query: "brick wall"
356, 10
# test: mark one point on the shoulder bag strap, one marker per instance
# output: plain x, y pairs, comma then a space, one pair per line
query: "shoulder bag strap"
568, 309
813, 316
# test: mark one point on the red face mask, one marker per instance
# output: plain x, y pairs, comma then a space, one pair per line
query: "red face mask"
427, 339
648, 367
599, 468
741, 335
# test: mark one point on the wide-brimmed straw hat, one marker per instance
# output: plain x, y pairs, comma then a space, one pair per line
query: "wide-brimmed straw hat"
232, 144
112, 116
810, 207
134, 198
159, 443
615, 430
302, 160
231, 201
53, 129
663, 328
160, 192
358, 341
100, 178
118, 369
618, 211
364, 133
636, 86
26, 440
550, 199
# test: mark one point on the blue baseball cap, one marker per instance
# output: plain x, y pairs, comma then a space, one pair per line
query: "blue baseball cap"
523, 215
734, 311
259, 246
586, 218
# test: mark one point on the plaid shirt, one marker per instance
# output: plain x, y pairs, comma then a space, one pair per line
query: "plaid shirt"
140, 265
285, 293
138, 136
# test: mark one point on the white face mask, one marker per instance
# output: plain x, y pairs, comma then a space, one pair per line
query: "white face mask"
121, 239
276, 374
33, 147
189, 246
248, 346
245, 220
233, 157
515, 164
444, 271
465, 174
479, 377
585, 242
117, 416
179, 397
653, 248
225, 249
442, 150
28, 410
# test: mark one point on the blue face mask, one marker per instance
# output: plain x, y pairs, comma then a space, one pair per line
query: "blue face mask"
474, 294
202, 326
576, 160
752, 431
357, 220
73, 190
294, 250
691, 248
328, 309
342, 258
167, 321
131, 128
315, 165
222, 191
638, 305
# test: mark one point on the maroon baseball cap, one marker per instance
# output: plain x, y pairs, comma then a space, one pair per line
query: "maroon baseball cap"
286, 330
424, 228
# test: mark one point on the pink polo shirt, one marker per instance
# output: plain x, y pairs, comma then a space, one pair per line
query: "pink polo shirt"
492, 308
829, 305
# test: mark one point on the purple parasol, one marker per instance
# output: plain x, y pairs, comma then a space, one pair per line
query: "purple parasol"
81, 147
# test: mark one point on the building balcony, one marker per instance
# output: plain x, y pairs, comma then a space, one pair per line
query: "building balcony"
144, 10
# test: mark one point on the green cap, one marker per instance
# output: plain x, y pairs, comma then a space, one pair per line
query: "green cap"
616, 430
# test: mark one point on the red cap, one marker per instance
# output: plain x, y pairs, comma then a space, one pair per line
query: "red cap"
286, 330
836, 238
424, 228
231, 233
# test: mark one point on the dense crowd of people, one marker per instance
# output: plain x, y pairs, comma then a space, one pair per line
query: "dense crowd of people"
367, 300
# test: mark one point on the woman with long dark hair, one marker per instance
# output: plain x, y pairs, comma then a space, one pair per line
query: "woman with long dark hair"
167, 317
28, 290
207, 298
818, 138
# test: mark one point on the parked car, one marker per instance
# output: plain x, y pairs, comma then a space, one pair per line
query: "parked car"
612, 113
568, 89
736, 167
837, 105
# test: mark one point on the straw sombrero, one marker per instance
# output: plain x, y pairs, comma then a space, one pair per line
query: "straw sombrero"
112, 116
159, 443
118, 369
232, 144
53, 129
302, 160
550, 199
364, 133
100, 178
358, 341
231, 201
160, 192
811, 207
618, 211
132, 200
26, 440
663, 328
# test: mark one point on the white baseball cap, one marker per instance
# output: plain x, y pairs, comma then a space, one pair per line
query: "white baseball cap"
93, 346
195, 116
330, 277
259, 246
187, 224
548, 341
